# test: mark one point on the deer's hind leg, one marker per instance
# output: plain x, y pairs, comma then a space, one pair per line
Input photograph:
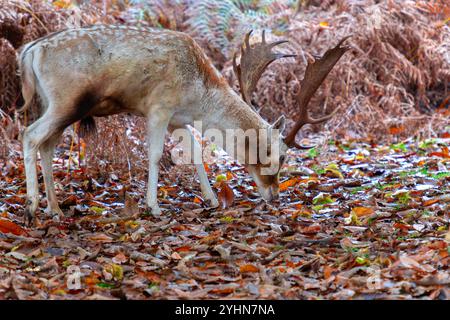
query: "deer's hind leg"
34, 137
46, 151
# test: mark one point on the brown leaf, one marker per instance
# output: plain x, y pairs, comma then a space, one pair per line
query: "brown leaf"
69, 201
119, 258
101, 237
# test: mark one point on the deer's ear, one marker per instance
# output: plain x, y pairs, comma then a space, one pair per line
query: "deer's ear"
280, 124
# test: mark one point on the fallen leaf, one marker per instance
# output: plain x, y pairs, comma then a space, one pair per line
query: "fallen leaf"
101, 237
225, 195
248, 268
287, 184
119, 258
362, 211
312, 229
7, 226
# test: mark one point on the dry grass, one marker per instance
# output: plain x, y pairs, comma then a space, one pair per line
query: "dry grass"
392, 82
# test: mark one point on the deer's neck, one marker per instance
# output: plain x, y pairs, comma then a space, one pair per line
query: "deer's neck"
229, 114
226, 110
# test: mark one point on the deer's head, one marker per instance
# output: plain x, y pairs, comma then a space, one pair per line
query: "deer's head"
253, 62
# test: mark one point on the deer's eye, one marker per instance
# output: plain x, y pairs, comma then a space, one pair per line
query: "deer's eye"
282, 158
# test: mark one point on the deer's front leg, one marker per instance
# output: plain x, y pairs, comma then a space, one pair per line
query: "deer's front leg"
207, 191
157, 127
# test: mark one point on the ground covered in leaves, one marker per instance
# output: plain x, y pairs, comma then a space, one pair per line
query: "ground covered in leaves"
355, 220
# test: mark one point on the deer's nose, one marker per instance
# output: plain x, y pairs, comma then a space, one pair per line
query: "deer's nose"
266, 193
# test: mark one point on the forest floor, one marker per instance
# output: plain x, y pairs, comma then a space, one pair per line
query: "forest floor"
365, 221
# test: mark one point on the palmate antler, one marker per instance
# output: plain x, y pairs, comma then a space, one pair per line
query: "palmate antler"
255, 60
315, 74
253, 63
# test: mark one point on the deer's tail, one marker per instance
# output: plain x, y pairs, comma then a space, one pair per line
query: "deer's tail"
27, 75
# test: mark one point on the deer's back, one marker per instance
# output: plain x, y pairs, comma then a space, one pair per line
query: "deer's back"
129, 63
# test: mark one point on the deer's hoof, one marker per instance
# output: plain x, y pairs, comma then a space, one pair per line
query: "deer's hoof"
154, 211
28, 217
54, 213
212, 203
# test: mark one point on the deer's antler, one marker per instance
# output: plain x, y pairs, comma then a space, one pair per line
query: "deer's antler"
315, 74
254, 60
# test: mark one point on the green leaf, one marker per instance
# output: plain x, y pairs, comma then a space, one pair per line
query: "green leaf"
227, 219
440, 175
317, 208
334, 169
313, 153
221, 177
427, 144
322, 199
97, 210
361, 260
399, 147
403, 198
105, 285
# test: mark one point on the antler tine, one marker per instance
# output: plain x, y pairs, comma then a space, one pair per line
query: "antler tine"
315, 74
254, 62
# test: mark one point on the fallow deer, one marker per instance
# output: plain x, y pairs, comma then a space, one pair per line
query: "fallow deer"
161, 75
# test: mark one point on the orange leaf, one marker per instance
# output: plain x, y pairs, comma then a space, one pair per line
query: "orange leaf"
327, 272
438, 245
324, 24
314, 228
225, 195
230, 176
62, 4
150, 276
396, 130
263, 250
226, 290
248, 268
288, 183
7, 226
362, 211
183, 249
402, 226
443, 154
197, 200
430, 202
212, 237
91, 280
